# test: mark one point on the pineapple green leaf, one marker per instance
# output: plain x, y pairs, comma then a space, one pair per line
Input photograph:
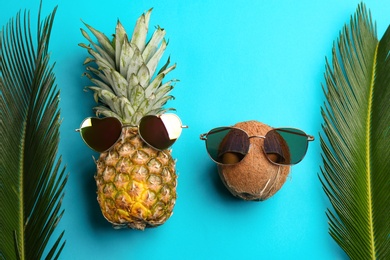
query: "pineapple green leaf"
128, 85
137, 95
135, 62
154, 60
119, 40
119, 83
108, 98
127, 109
106, 55
127, 52
133, 81
32, 179
100, 60
100, 84
101, 74
156, 83
102, 39
355, 139
141, 30
105, 111
161, 111
153, 44
88, 60
165, 66
161, 102
143, 76
163, 90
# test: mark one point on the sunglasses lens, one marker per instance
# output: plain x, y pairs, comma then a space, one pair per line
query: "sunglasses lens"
227, 145
285, 146
160, 132
101, 134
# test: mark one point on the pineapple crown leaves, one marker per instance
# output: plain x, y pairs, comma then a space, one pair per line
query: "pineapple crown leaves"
124, 68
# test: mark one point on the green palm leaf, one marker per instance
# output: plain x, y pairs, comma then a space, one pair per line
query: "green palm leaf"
31, 178
355, 140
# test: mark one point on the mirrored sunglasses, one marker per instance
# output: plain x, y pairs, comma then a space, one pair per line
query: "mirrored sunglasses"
282, 146
159, 132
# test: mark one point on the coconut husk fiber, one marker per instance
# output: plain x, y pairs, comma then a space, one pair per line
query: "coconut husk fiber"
255, 177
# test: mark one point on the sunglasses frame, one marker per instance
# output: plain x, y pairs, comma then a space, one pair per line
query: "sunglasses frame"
205, 135
131, 126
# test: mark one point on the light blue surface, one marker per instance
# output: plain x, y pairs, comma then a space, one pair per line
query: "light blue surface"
236, 61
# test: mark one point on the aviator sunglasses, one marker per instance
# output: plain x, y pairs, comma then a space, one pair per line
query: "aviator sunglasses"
282, 146
159, 132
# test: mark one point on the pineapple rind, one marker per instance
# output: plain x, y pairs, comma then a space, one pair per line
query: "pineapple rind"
136, 183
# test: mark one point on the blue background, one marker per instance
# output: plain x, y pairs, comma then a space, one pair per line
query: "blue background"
236, 60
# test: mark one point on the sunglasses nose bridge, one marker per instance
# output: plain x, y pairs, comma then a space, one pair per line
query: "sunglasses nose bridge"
256, 136
264, 153
255, 144
259, 146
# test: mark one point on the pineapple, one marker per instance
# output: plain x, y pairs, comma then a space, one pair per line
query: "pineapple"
136, 184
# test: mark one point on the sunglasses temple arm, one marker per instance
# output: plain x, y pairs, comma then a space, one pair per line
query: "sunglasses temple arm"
204, 136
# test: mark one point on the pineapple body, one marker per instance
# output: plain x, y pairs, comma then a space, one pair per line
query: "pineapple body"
136, 183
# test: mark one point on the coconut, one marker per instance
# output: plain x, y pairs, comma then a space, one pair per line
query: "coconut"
255, 177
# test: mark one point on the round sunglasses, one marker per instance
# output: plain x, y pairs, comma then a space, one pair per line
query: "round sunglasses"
159, 132
282, 146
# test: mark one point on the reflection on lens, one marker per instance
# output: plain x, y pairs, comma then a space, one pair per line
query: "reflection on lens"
285, 145
227, 145
276, 148
152, 130
101, 134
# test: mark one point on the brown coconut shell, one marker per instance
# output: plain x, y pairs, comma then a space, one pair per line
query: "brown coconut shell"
255, 177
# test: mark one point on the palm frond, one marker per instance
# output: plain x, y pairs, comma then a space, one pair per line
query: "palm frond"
31, 177
355, 139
